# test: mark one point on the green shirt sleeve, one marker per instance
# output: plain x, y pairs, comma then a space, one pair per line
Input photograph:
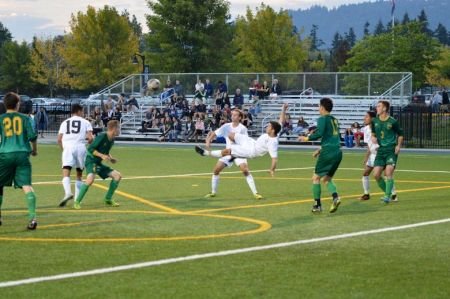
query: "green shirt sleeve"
31, 134
318, 133
96, 143
397, 129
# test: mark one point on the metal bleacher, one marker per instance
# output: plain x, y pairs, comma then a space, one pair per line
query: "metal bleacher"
349, 107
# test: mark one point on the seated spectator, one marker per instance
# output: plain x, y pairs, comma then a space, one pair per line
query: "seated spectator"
348, 138
176, 130
253, 89
247, 120
168, 85
209, 89
167, 127
189, 129
263, 91
121, 101
275, 90
238, 99
199, 86
178, 88
301, 128
358, 135
200, 95
132, 105
116, 115
286, 126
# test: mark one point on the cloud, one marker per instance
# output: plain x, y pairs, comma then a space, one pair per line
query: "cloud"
24, 27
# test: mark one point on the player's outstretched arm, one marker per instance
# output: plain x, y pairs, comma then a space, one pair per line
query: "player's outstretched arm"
211, 136
273, 166
284, 108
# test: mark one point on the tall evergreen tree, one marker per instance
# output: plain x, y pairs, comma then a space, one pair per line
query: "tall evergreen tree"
441, 34
14, 67
366, 29
423, 19
351, 37
316, 42
5, 35
379, 28
405, 19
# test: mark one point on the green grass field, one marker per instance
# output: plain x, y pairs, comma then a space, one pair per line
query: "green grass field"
163, 215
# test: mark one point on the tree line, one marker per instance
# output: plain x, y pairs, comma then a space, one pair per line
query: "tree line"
187, 36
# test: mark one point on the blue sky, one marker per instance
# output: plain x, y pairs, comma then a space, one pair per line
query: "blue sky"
26, 18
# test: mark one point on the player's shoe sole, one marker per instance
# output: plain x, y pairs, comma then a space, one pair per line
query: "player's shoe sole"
365, 197
394, 198
76, 205
112, 203
335, 204
199, 150
316, 209
64, 201
210, 195
258, 196
32, 225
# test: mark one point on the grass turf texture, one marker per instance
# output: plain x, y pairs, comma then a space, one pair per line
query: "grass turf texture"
411, 263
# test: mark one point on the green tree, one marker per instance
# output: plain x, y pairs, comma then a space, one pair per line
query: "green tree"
315, 41
441, 34
351, 37
48, 66
379, 28
99, 47
14, 67
189, 36
395, 51
438, 73
423, 20
405, 19
5, 35
266, 42
366, 29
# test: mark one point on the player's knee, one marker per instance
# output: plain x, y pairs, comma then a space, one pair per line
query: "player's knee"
316, 179
116, 176
89, 179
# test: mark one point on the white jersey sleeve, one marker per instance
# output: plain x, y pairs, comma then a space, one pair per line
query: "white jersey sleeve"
228, 128
266, 144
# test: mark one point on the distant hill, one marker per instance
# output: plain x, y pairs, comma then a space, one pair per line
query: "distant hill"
342, 18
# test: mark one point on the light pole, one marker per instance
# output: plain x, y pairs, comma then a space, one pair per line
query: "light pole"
145, 67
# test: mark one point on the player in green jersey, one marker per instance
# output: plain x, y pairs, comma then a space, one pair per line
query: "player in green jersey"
389, 136
97, 152
18, 141
329, 155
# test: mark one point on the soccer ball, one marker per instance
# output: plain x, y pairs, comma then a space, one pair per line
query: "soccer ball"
153, 84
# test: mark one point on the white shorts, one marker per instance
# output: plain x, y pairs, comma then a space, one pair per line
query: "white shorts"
238, 161
74, 156
244, 147
371, 160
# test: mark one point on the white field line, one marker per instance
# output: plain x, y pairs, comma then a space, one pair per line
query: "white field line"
213, 254
233, 172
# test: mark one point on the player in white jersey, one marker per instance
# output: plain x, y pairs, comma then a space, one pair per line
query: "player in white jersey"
238, 128
369, 159
246, 147
73, 135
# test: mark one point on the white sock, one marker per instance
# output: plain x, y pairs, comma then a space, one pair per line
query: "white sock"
214, 183
251, 183
393, 190
215, 154
66, 185
77, 187
366, 184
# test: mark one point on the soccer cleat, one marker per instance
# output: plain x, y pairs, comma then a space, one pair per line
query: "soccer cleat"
258, 196
32, 224
111, 203
386, 199
335, 204
316, 209
76, 205
210, 195
199, 150
64, 201
365, 197
394, 198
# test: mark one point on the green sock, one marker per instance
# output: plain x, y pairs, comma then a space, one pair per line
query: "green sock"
112, 187
30, 197
382, 184
83, 189
389, 185
332, 188
316, 192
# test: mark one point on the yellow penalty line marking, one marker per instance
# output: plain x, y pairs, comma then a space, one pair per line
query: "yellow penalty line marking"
73, 224
141, 200
284, 203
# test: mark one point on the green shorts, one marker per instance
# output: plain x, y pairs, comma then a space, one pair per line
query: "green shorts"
328, 162
102, 170
15, 168
385, 156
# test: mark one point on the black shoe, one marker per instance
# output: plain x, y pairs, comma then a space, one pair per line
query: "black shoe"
365, 197
394, 198
316, 209
64, 201
32, 225
199, 150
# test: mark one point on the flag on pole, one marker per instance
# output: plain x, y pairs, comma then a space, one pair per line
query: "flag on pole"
393, 7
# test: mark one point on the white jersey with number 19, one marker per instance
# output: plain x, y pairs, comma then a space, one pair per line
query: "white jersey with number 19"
74, 131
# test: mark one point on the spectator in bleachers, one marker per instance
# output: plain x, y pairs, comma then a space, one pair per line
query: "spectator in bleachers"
199, 95
168, 85
132, 105
301, 128
276, 88
358, 135
199, 127
286, 126
111, 103
223, 88
176, 130
209, 89
247, 119
263, 91
96, 121
348, 138
201, 109
238, 99
178, 88
199, 86
253, 89
117, 114
189, 130
121, 102
166, 128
